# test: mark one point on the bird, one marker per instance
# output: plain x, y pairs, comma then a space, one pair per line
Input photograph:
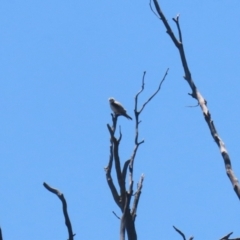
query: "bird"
117, 108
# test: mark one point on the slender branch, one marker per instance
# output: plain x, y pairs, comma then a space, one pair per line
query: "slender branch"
150, 4
115, 156
120, 137
64, 205
136, 198
134, 154
118, 163
184, 238
116, 215
154, 94
169, 30
111, 131
124, 171
176, 20
108, 169
114, 120
177, 43
202, 102
226, 236
143, 83
113, 189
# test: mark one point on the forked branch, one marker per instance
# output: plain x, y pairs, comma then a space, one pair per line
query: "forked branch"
181, 233
197, 95
153, 95
123, 198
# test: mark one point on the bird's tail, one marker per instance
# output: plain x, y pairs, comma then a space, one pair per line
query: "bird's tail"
128, 117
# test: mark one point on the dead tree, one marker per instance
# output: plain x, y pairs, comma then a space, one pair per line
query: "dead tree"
178, 42
123, 197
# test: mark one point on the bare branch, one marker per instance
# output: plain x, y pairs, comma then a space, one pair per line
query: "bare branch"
226, 236
150, 4
117, 162
120, 133
134, 154
143, 83
162, 17
154, 94
1, 238
114, 120
108, 169
116, 215
113, 189
202, 102
124, 171
184, 238
176, 20
136, 198
64, 205
178, 44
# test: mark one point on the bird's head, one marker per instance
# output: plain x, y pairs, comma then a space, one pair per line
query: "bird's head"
111, 100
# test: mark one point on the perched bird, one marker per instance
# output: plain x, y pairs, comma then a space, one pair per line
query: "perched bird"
117, 108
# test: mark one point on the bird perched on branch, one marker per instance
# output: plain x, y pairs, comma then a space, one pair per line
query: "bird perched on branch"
117, 108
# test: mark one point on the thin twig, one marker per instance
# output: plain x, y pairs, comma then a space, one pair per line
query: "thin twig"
226, 236
176, 20
184, 238
116, 215
136, 97
193, 106
154, 94
150, 4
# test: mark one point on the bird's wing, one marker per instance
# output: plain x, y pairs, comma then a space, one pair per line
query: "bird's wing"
118, 107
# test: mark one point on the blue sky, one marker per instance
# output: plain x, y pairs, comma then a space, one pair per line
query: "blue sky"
60, 62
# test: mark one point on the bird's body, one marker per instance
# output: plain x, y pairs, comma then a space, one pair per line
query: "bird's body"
117, 108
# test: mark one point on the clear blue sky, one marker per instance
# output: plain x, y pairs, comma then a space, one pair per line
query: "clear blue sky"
60, 62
